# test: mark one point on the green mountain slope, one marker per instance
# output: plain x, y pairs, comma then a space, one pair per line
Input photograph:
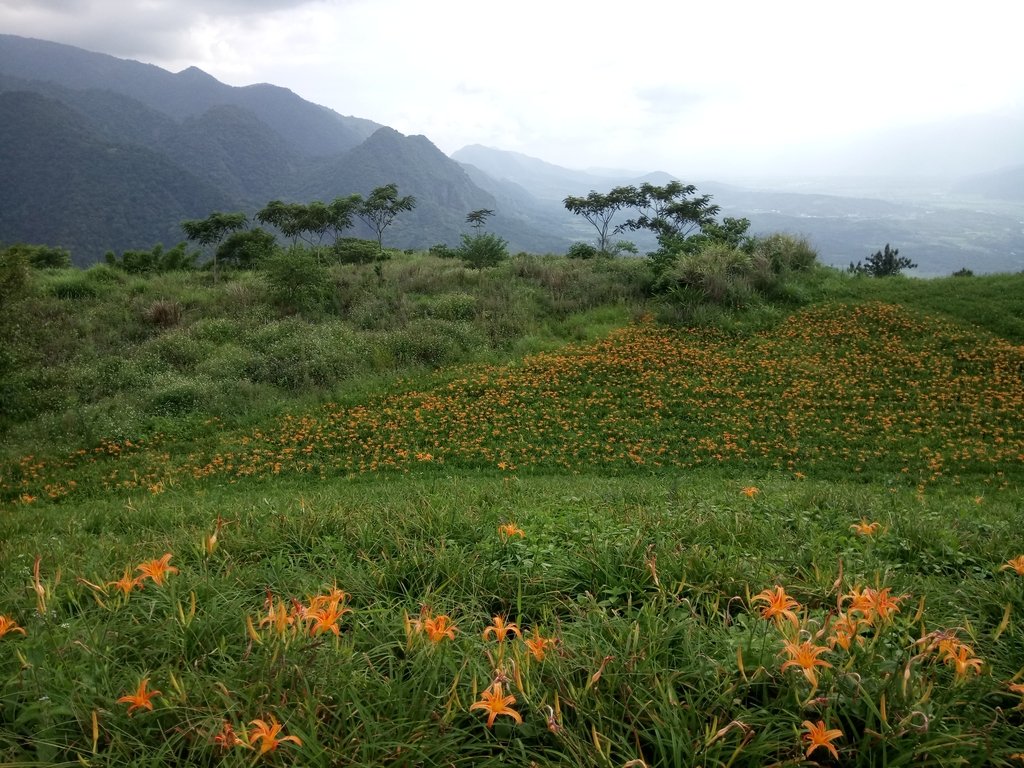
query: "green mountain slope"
76, 190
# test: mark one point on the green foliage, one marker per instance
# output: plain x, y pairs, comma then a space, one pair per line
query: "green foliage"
381, 208
41, 256
154, 261
483, 250
964, 272
478, 218
786, 253
247, 249
599, 209
298, 282
885, 263
354, 250
443, 251
582, 251
14, 275
674, 212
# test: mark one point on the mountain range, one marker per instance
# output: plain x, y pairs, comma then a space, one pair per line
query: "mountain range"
99, 153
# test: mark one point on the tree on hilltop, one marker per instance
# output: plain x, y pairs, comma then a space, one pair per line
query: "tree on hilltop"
883, 264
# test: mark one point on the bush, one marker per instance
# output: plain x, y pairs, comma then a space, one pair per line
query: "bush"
352, 250
246, 249
582, 251
14, 278
42, 256
74, 285
786, 253
718, 274
443, 251
154, 261
291, 355
483, 250
885, 263
297, 280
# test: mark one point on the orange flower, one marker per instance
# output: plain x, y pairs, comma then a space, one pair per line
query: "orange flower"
438, 627
805, 655
500, 629
750, 491
157, 570
779, 605
844, 631
141, 699
818, 736
1017, 564
325, 619
9, 625
538, 644
267, 734
278, 616
864, 528
963, 659
496, 704
226, 738
126, 583
508, 530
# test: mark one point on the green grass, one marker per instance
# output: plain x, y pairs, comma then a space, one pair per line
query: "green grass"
647, 581
663, 479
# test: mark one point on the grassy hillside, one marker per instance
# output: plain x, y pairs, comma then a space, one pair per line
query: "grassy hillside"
459, 517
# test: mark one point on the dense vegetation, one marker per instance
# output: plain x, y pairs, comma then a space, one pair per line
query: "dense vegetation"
730, 509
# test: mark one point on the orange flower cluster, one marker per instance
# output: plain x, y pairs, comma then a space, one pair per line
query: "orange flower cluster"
870, 388
156, 570
286, 618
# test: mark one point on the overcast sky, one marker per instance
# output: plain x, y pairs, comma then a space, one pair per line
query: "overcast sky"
715, 86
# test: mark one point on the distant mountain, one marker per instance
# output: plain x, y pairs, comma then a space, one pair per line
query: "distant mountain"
308, 128
122, 131
544, 180
75, 189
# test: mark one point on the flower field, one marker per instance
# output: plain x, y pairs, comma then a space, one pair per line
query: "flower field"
668, 548
871, 389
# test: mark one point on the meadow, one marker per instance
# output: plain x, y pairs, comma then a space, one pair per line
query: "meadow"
589, 535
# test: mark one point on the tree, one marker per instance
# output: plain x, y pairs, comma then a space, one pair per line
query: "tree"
673, 212
381, 208
246, 249
213, 229
600, 209
477, 219
883, 264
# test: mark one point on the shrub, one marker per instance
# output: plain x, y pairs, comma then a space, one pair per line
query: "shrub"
718, 273
74, 285
154, 261
246, 249
42, 256
353, 250
292, 356
298, 282
483, 250
452, 306
786, 253
582, 251
885, 263
14, 278
963, 273
443, 251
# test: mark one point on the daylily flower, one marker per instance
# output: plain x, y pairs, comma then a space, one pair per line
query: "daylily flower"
267, 734
779, 605
9, 625
326, 619
226, 738
844, 631
157, 570
964, 660
805, 655
141, 699
278, 616
508, 530
819, 736
496, 704
864, 528
1017, 564
500, 629
438, 627
750, 491
538, 644
126, 583
884, 604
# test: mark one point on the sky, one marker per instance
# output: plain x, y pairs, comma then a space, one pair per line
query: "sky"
719, 86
